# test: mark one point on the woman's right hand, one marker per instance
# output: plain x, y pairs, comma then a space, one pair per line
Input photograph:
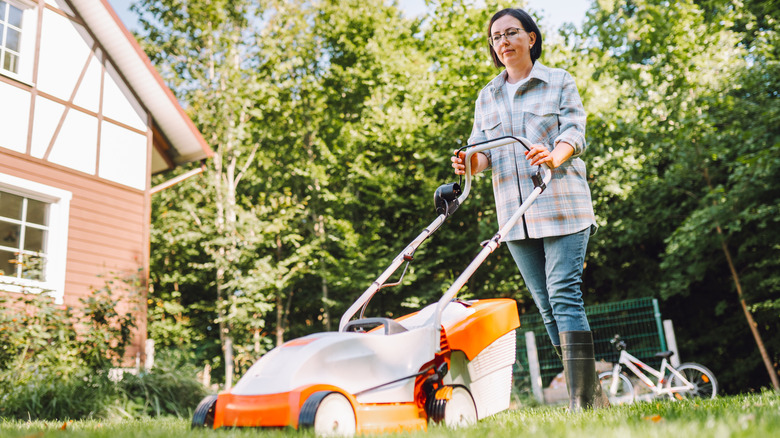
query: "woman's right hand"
479, 162
459, 162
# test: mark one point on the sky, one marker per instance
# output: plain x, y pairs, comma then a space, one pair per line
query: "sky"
554, 12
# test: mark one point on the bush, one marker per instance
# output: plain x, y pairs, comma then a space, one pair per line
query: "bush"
51, 394
55, 362
170, 388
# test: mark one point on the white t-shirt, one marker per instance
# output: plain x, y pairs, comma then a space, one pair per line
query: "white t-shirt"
510, 90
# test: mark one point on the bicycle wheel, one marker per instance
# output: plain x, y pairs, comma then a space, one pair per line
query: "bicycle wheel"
704, 383
624, 390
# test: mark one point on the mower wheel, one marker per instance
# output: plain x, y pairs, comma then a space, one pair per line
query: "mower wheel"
329, 413
204, 413
452, 405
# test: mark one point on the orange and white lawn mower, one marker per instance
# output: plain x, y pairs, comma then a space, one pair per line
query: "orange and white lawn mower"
449, 363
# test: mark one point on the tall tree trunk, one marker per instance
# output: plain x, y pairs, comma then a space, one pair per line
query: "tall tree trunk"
256, 340
319, 231
324, 275
221, 271
226, 181
279, 320
748, 315
279, 299
224, 224
325, 312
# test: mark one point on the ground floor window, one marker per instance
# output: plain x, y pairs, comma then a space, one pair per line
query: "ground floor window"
23, 230
33, 236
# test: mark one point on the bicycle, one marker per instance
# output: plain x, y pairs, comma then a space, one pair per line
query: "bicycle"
688, 380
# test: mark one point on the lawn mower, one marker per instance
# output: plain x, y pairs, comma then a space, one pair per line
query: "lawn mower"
449, 363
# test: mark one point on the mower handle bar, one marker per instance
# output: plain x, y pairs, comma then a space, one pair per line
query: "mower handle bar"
408, 253
483, 146
492, 244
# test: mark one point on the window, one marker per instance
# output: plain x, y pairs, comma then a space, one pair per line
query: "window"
10, 36
33, 236
23, 231
17, 38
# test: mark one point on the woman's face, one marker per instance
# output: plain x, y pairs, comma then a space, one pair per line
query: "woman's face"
513, 51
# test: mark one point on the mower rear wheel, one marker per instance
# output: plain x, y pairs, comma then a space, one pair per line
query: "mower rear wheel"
204, 413
329, 413
452, 405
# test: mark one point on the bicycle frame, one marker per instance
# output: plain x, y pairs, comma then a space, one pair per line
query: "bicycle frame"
634, 364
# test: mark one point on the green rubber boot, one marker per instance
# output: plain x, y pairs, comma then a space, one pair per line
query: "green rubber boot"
579, 369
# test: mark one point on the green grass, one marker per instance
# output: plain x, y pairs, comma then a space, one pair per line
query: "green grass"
754, 415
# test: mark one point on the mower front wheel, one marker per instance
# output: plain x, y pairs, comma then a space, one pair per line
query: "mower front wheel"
329, 413
204, 413
453, 406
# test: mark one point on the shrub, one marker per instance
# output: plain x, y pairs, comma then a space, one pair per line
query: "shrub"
54, 393
55, 362
169, 388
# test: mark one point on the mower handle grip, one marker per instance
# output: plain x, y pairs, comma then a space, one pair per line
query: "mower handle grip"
483, 146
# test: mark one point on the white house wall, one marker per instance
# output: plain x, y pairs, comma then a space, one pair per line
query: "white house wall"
47, 116
65, 48
13, 122
118, 103
88, 95
76, 110
76, 143
122, 150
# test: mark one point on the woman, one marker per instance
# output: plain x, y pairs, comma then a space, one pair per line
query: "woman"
542, 104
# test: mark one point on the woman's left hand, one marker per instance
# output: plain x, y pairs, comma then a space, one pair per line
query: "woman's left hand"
539, 154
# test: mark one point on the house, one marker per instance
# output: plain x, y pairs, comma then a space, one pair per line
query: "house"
85, 120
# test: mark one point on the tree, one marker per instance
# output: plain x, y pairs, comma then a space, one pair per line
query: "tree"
352, 112
679, 119
203, 47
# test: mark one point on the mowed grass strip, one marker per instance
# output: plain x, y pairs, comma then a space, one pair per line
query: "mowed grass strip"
753, 415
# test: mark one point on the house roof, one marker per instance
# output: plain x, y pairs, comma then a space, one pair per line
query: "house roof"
186, 142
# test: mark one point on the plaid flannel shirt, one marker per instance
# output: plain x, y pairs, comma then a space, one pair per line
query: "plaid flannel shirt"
546, 109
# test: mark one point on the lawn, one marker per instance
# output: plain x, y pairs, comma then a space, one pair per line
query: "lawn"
754, 415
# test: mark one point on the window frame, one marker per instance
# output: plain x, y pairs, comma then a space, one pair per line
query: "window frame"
56, 241
26, 230
26, 53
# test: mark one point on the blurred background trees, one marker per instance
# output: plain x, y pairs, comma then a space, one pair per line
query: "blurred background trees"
333, 122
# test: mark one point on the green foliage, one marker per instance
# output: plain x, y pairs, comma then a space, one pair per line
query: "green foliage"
34, 332
55, 361
337, 118
55, 392
169, 388
107, 332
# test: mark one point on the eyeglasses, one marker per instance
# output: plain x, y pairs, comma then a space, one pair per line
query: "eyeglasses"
511, 34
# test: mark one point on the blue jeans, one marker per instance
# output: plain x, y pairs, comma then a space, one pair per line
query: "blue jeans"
552, 269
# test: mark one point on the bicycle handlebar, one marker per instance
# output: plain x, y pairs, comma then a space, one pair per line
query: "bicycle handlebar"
618, 342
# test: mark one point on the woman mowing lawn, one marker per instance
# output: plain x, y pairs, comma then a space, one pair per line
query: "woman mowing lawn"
542, 104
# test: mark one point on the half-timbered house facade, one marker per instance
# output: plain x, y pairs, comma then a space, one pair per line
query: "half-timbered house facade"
85, 120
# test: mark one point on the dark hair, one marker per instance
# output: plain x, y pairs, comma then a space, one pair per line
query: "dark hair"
528, 24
